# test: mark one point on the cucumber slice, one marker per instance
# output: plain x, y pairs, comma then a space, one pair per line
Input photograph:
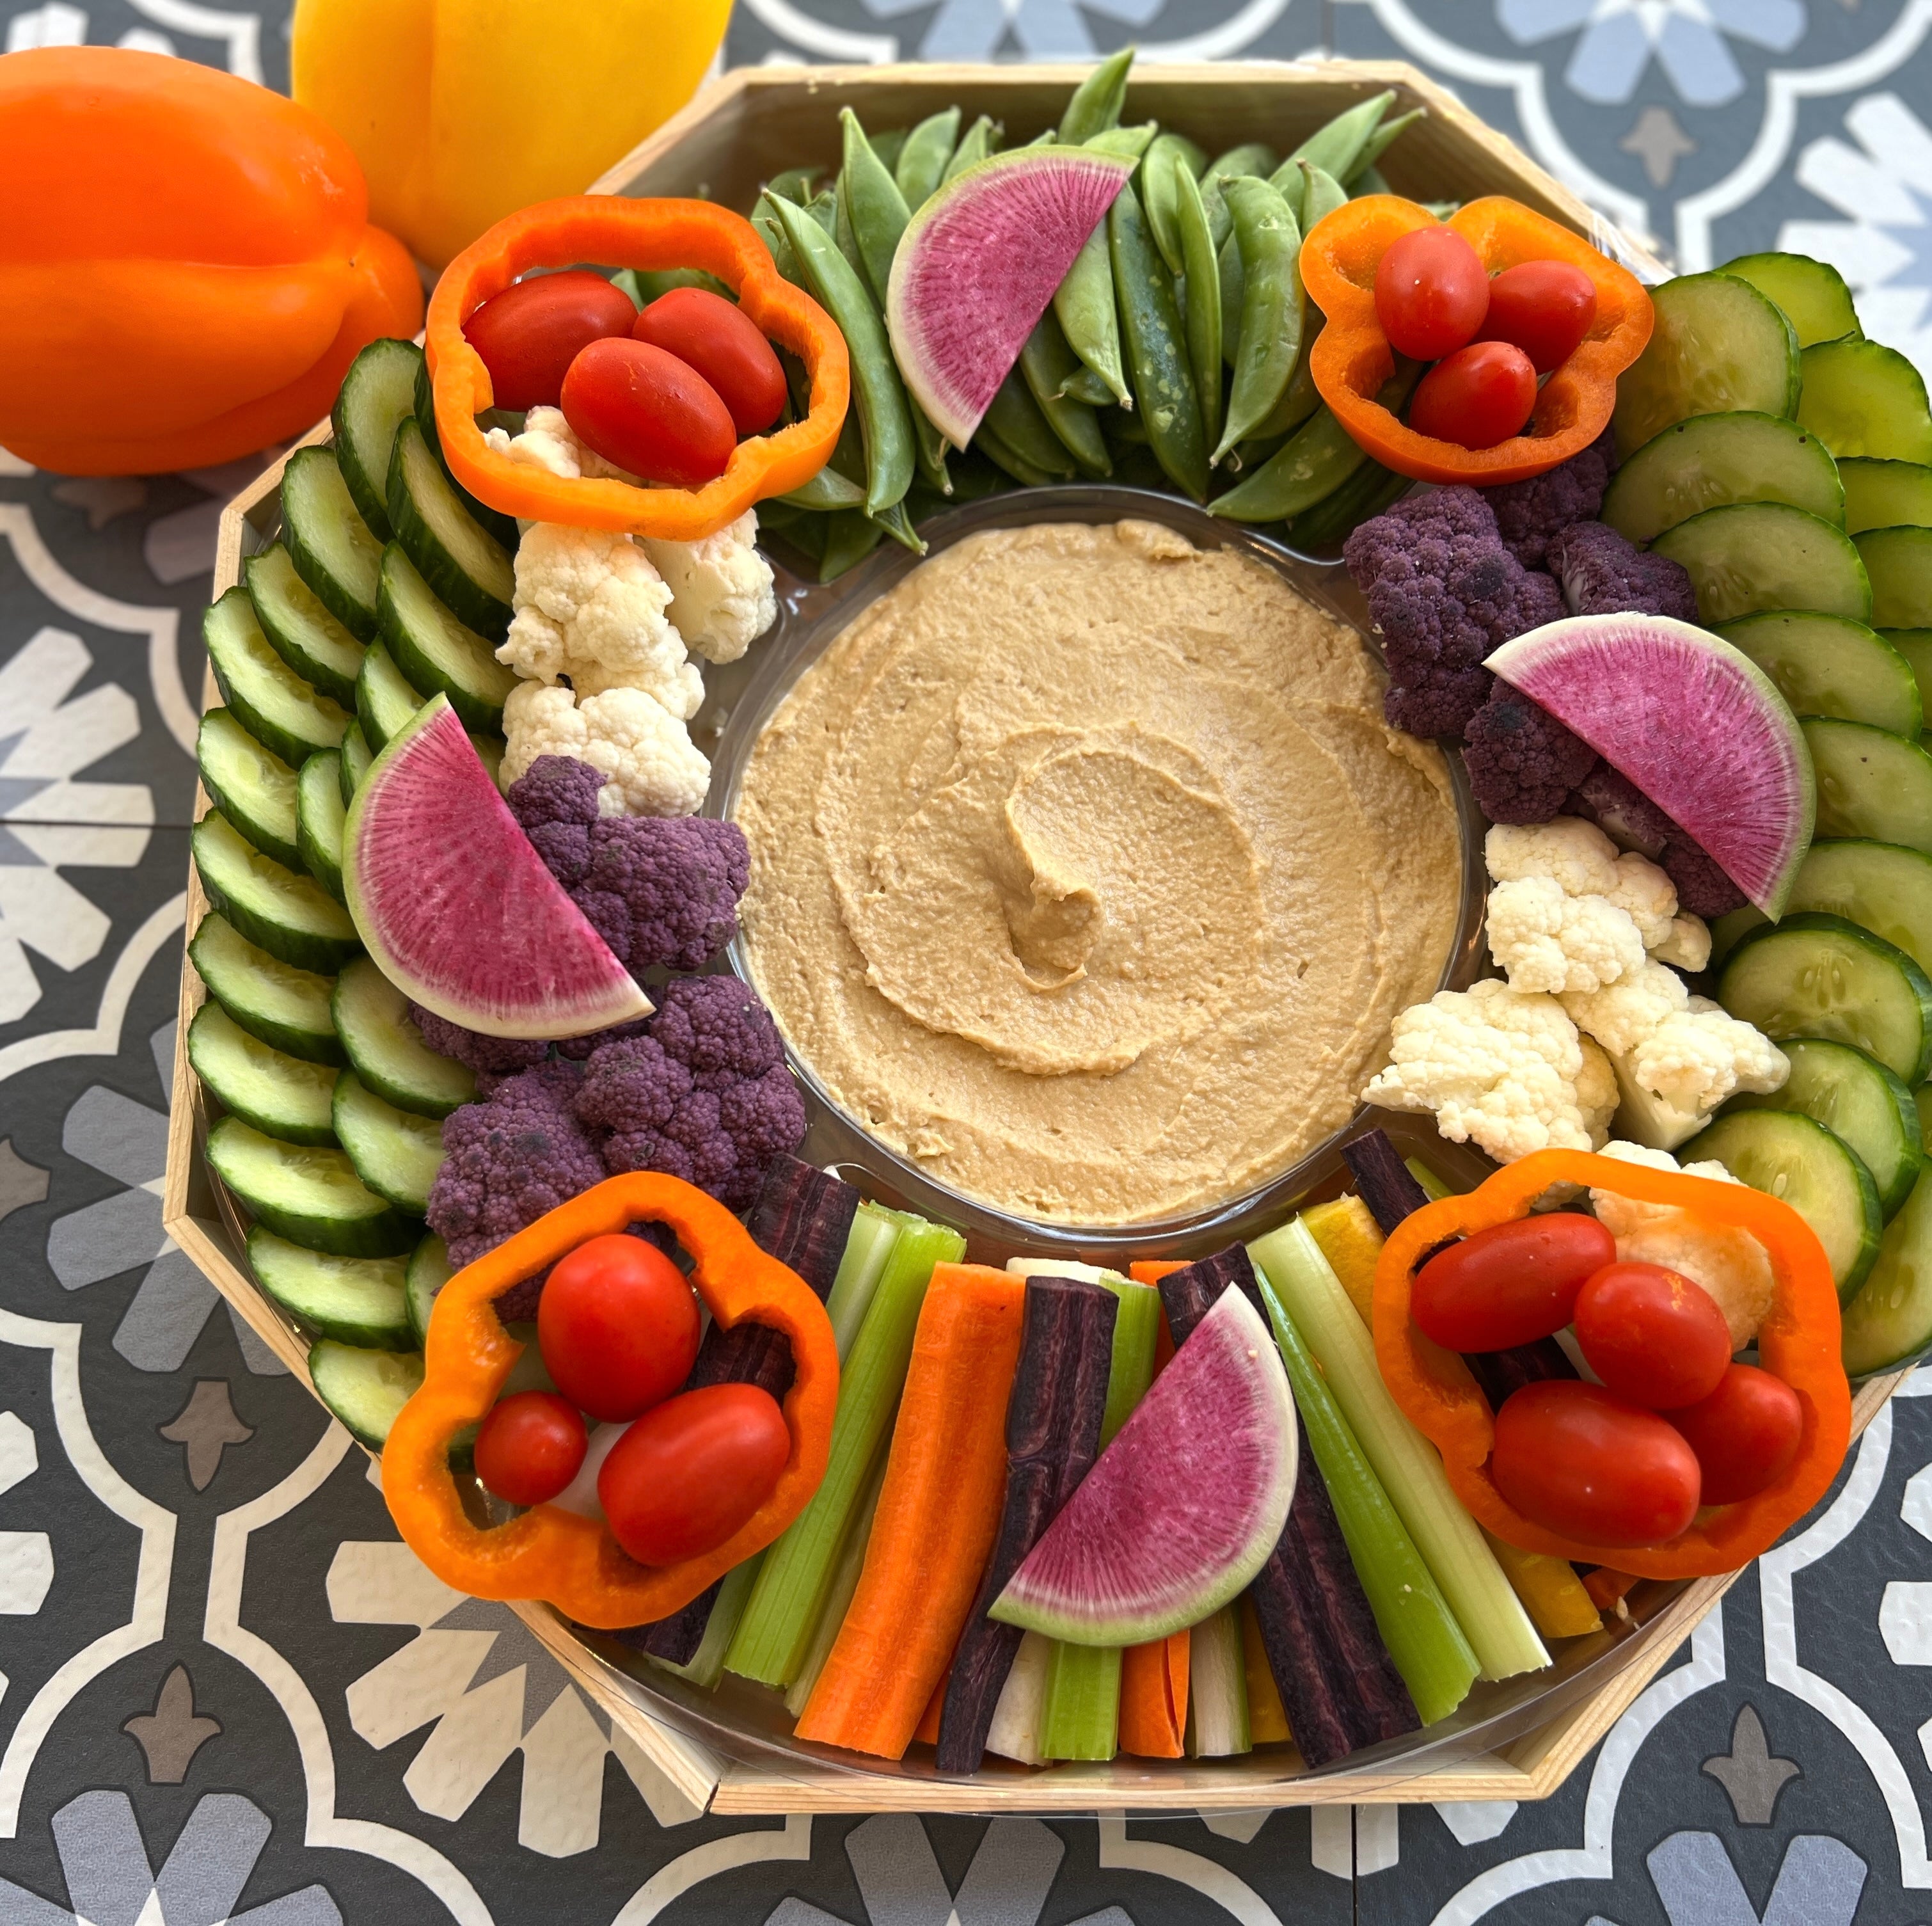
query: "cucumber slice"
320, 817
270, 700
356, 757
1814, 296
1819, 1174
1711, 460
1884, 494
287, 1009
299, 629
503, 527
1717, 346
1885, 887
387, 1050
329, 543
281, 1096
365, 1388
435, 651
377, 394
465, 565
1815, 975
252, 786
1754, 555
290, 916
1915, 646
1830, 665
1898, 562
430, 1270
1855, 1098
384, 700
310, 1196
353, 1300
1889, 1322
395, 1154
1870, 783
1861, 397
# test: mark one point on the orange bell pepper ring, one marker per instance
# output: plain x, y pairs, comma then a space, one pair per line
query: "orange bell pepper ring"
1798, 1342
620, 232
1351, 358
549, 1553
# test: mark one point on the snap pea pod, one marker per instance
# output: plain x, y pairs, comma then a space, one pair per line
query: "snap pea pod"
1151, 328
1090, 317
1132, 142
784, 258
1311, 194
889, 145
824, 208
983, 138
1097, 101
898, 523
644, 285
884, 416
1201, 302
1084, 385
1321, 194
1337, 146
850, 536
793, 184
1379, 142
1169, 156
874, 208
841, 228
1047, 363
1370, 180
987, 441
1300, 397
1317, 460
922, 161
1324, 527
1269, 330
827, 490
1252, 158
1019, 427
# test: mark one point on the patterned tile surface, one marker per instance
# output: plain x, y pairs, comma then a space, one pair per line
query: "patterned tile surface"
226, 1692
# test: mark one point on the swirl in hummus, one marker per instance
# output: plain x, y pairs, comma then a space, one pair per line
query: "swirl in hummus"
1086, 874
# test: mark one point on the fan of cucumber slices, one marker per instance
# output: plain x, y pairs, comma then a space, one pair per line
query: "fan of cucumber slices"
387, 585
1786, 462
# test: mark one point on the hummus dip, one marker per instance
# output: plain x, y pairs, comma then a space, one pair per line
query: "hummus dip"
1086, 874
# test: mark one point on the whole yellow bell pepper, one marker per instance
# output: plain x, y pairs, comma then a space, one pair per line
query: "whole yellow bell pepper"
462, 111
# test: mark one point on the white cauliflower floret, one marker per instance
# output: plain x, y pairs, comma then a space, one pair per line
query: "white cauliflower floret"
1499, 1067
1700, 1056
1545, 940
650, 765
590, 606
1596, 1089
547, 440
722, 598
1622, 1015
1730, 1265
1686, 945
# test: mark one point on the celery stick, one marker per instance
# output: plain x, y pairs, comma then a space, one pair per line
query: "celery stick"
838, 1601
1217, 1687
1415, 1620
1431, 1183
1080, 1718
875, 1230
789, 1597
1489, 1611
707, 1663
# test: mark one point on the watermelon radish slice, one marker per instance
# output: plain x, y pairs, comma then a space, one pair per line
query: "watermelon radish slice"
1693, 723
1183, 1509
977, 265
456, 907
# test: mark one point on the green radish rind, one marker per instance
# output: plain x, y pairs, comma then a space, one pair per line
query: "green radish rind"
356, 1301
286, 1007
1711, 460
1861, 397
1749, 556
365, 1388
1889, 1322
1871, 783
1741, 782
328, 542
1830, 665
310, 1195
289, 915
1815, 1171
251, 786
300, 628
386, 1049
276, 707
281, 1095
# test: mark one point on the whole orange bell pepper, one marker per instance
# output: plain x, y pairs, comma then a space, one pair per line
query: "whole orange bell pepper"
571, 1561
1351, 358
187, 268
1798, 1342
615, 232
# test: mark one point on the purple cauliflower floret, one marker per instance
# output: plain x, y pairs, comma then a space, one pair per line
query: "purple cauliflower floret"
1609, 799
511, 1158
1522, 762
492, 1058
578, 1048
1444, 591
1702, 888
1529, 513
1602, 574
704, 1096
555, 800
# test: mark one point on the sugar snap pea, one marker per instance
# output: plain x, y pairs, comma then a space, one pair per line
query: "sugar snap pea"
1084, 385
898, 523
850, 536
1370, 180
1098, 100
1379, 142
1269, 326
644, 285
1321, 194
1089, 318
827, 490
783, 257
1019, 427
1047, 363
922, 161
987, 442
1300, 397
1319, 458
1337, 146
841, 228
824, 208
1169, 155
793, 184
874, 208
1132, 142
1150, 327
1201, 302
889, 145
884, 416
1367, 491
981, 139
1251, 158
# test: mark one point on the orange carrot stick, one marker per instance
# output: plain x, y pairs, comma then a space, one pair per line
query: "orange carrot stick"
927, 1733
938, 1511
